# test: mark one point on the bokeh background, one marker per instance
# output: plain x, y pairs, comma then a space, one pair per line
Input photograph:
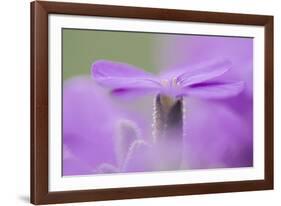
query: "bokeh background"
82, 47
218, 133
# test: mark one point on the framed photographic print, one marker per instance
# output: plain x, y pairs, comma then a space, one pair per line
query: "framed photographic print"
131, 102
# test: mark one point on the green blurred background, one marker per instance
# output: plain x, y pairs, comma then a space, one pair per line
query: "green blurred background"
82, 47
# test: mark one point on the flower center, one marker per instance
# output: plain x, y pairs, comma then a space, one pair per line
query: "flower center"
170, 83
165, 82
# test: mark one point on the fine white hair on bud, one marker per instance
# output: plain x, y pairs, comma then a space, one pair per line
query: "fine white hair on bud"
138, 147
127, 132
168, 113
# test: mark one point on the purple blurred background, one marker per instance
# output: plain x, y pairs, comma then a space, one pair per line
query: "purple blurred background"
103, 133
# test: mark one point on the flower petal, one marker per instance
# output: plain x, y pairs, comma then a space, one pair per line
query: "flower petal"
217, 136
203, 73
134, 92
117, 75
89, 115
214, 89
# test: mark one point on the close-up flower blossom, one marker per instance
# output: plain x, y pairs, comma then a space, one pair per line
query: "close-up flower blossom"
122, 78
193, 113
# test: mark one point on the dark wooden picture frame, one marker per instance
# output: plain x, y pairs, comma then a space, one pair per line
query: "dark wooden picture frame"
39, 102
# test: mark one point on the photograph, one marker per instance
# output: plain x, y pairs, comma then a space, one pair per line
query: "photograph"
151, 102
138, 102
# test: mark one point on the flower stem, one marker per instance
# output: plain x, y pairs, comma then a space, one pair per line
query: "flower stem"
167, 117
168, 127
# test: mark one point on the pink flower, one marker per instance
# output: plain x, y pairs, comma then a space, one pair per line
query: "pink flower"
198, 81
